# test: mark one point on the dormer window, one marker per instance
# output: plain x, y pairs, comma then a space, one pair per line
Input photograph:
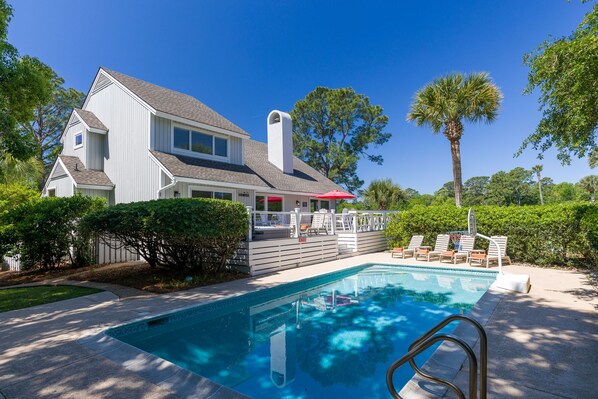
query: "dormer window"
78, 140
193, 141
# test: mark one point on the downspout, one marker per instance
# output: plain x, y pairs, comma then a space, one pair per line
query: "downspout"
166, 187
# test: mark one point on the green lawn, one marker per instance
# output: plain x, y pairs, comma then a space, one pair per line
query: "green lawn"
18, 298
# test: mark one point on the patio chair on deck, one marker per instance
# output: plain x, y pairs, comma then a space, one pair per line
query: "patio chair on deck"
294, 226
492, 255
442, 243
318, 224
466, 246
414, 244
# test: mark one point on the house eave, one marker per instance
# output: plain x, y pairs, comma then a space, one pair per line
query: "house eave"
200, 125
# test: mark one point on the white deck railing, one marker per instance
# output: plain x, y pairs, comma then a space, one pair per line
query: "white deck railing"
283, 224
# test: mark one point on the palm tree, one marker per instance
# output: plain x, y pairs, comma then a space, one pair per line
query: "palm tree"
13, 170
590, 184
593, 158
538, 171
448, 101
383, 195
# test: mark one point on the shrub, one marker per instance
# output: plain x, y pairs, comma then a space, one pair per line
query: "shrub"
563, 234
45, 232
199, 234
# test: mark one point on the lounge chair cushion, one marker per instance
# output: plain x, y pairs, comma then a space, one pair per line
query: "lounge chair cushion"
478, 256
423, 251
397, 249
448, 253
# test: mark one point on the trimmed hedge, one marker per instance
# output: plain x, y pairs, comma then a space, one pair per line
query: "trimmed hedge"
45, 232
199, 234
564, 234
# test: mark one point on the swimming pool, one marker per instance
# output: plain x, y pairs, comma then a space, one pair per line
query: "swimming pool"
323, 337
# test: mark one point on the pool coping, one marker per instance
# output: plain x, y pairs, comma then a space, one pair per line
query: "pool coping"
188, 384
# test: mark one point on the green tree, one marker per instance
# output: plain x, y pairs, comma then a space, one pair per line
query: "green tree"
565, 70
334, 128
511, 188
14, 170
561, 193
444, 195
46, 127
537, 169
475, 190
24, 83
383, 194
589, 184
448, 101
593, 158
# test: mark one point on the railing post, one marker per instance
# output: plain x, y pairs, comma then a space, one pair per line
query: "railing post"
355, 219
297, 223
250, 230
371, 217
333, 222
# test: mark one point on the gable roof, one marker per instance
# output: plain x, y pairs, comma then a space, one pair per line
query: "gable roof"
90, 119
257, 171
174, 103
76, 169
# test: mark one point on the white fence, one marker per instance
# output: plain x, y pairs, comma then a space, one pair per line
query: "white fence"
110, 250
11, 263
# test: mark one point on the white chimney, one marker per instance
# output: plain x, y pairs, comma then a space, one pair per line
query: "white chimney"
280, 140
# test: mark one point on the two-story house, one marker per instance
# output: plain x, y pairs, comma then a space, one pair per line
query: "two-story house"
135, 141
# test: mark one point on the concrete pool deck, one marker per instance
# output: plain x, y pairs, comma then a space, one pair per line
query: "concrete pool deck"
541, 345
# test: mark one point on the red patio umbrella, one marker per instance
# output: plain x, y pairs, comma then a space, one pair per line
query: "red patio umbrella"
336, 194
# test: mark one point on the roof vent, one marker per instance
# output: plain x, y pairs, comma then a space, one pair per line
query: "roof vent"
280, 141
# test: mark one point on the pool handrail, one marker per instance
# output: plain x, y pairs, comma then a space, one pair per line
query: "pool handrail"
428, 339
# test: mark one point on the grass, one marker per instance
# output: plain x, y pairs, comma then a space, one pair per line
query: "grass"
19, 298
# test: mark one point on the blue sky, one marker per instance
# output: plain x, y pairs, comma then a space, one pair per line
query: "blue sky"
245, 58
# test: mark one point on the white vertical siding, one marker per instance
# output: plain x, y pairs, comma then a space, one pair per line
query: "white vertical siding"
126, 161
63, 185
94, 151
94, 193
69, 142
236, 150
161, 134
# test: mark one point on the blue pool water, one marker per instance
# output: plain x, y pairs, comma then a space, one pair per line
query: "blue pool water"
326, 337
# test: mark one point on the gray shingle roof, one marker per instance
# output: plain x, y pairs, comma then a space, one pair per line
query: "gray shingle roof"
90, 119
257, 171
175, 103
203, 169
77, 170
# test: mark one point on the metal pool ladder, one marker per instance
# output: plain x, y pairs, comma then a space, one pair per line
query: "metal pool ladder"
429, 339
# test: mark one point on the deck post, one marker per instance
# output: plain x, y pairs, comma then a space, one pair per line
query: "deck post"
354, 224
297, 231
249, 232
332, 222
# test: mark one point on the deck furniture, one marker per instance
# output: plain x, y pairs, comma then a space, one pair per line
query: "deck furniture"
442, 243
414, 244
466, 247
492, 255
318, 224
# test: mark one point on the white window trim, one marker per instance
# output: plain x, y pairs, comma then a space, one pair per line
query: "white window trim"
75, 145
199, 154
266, 202
212, 189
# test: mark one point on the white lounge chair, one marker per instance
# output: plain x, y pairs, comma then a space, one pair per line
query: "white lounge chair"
414, 244
318, 224
442, 243
466, 243
492, 255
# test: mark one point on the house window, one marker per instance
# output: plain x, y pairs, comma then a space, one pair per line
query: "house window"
212, 194
78, 140
271, 203
51, 192
199, 142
